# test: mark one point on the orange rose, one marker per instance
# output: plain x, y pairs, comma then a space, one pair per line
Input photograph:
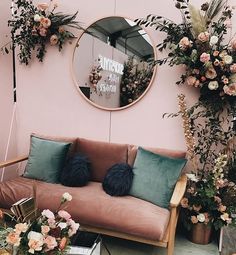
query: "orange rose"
63, 243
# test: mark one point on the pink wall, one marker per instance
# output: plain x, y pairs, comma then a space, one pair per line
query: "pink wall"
49, 103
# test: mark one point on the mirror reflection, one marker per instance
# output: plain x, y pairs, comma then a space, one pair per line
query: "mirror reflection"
112, 63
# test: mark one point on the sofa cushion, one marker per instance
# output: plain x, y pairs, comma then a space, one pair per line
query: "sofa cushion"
118, 180
46, 159
76, 172
90, 205
102, 156
155, 177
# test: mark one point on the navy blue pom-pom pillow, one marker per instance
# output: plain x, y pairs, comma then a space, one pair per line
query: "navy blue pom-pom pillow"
76, 172
118, 180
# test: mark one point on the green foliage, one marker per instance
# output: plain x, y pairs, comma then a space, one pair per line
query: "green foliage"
34, 27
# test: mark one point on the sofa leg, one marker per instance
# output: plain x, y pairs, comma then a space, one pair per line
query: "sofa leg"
170, 248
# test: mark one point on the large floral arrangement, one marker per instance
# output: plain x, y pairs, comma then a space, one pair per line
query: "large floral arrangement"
199, 43
35, 26
49, 234
210, 198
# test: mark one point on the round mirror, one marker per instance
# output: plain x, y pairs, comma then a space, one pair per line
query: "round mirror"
112, 63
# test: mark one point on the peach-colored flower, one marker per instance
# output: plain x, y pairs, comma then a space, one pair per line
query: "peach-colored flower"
225, 217
233, 44
42, 6
217, 62
64, 214
230, 89
205, 57
203, 36
222, 208
45, 22
192, 81
21, 227
53, 40
52, 223
1, 214
211, 73
184, 202
185, 43
217, 199
50, 242
45, 229
216, 53
207, 218
197, 208
61, 29
233, 68
63, 243
194, 219
43, 31
48, 214
13, 238
220, 183
203, 78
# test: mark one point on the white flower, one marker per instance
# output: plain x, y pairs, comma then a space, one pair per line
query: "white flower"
228, 59
66, 196
35, 236
192, 177
201, 217
37, 18
214, 40
213, 85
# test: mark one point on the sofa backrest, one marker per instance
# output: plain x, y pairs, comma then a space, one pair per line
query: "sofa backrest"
102, 155
132, 151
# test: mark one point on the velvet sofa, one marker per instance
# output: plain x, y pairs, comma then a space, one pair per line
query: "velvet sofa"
125, 217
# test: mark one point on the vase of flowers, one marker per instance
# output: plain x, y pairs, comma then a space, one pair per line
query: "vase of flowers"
50, 233
207, 202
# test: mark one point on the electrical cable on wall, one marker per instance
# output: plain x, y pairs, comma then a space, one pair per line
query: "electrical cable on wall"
14, 95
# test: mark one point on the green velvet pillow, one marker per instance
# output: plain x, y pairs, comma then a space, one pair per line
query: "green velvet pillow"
155, 177
46, 159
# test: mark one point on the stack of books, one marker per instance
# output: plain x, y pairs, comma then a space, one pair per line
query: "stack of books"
25, 209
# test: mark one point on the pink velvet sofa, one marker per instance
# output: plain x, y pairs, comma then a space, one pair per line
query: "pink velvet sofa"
125, 217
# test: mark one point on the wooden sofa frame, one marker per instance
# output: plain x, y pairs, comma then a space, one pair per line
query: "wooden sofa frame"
169, 237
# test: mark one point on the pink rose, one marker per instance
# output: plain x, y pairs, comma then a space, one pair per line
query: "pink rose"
233, 68
203, 36
48, 214
230, 89
222, 208
52, 223
185, 43
205, 57
45, 229
45, 22
73, 227
64, 214
211, 73
50, 242
233, 44
43, 31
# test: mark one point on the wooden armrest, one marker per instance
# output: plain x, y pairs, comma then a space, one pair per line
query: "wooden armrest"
13, 161
179, 191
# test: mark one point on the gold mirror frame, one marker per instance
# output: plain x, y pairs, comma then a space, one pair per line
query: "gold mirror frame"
78, 85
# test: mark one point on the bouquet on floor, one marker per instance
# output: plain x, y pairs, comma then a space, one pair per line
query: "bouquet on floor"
50, 233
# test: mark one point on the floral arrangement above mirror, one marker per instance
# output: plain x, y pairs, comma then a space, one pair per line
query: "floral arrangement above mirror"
33, 27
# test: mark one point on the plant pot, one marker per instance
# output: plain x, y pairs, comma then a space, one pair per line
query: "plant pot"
200, 233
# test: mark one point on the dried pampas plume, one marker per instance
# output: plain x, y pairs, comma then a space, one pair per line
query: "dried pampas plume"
189, 138
198, 21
